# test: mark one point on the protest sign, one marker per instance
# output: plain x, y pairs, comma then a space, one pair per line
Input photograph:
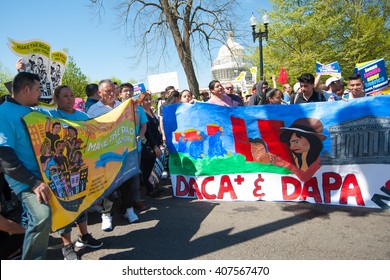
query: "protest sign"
328, 153
332, 69
138, 88
36, 56
57, 68
158, 82
85, 160
374, 76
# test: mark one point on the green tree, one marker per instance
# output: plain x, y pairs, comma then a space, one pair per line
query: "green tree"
74, 78
306, 31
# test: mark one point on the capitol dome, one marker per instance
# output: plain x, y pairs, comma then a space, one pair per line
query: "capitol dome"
229, 62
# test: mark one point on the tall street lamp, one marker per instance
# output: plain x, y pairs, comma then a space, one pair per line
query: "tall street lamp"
260, 35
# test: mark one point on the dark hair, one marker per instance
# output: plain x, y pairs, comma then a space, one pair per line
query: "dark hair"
306, 78
54, 124
212, 84
170, 100
122, 86
168, 88
58, 89
183, 91
315, 145
91, 89
23, 79
270, 93
58, 142
355, 76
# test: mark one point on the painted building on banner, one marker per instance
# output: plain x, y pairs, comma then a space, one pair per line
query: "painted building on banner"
361, 141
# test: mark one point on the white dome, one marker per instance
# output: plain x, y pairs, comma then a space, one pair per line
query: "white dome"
230, 48
230, 56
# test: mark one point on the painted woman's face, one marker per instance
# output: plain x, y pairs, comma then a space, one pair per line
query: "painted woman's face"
299, 145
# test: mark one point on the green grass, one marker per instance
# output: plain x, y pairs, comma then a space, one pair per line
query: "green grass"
230, 164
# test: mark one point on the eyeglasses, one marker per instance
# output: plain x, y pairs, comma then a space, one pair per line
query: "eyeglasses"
229, 88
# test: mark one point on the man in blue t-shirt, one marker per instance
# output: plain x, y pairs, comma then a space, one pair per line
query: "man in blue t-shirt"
20, 165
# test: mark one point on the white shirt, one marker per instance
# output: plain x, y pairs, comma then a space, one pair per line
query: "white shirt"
99, 109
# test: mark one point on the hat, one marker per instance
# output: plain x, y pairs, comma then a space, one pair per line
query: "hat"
331, 80
306, 125
296, 87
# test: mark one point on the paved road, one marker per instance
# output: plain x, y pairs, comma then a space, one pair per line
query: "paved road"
189, 229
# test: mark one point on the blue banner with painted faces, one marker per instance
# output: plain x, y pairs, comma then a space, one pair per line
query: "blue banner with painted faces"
374, 76
326, 152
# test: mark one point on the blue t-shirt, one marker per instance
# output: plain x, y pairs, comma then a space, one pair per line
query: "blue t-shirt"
13, 134
142, 119
286, 97
75, 116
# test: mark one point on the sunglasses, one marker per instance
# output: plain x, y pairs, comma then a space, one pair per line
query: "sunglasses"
229, 88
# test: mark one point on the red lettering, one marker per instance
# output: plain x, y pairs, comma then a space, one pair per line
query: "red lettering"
315, 193
286, 181
204, 192
180, 180
328, 186
226, 186
194, 187
355, 191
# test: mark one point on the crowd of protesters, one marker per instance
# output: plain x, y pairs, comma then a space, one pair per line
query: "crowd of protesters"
20, 172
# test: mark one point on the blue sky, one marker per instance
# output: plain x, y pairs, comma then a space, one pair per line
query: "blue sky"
100, 50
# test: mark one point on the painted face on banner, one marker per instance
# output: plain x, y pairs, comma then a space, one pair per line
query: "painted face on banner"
299, 145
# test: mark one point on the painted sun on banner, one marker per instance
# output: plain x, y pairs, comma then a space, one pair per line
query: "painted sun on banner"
328, 153
82, 162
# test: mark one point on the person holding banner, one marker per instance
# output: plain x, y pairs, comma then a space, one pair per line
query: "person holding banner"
108, 102
126, 91
307, 93
64, 98
218, 95
20, 166
355, 86
258, 97
151, 145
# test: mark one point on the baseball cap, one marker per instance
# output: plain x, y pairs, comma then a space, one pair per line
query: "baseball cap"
296, 87
331, 80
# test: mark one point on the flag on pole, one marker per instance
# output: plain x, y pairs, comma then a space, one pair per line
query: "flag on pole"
283, 76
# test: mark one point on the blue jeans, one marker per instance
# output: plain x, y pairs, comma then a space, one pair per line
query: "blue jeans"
38, 229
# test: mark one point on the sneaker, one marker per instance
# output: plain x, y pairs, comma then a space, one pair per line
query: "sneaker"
106, 222
88, 241
130, 215
69, 253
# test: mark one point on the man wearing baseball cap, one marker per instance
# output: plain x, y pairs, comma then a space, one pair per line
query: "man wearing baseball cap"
335, 89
